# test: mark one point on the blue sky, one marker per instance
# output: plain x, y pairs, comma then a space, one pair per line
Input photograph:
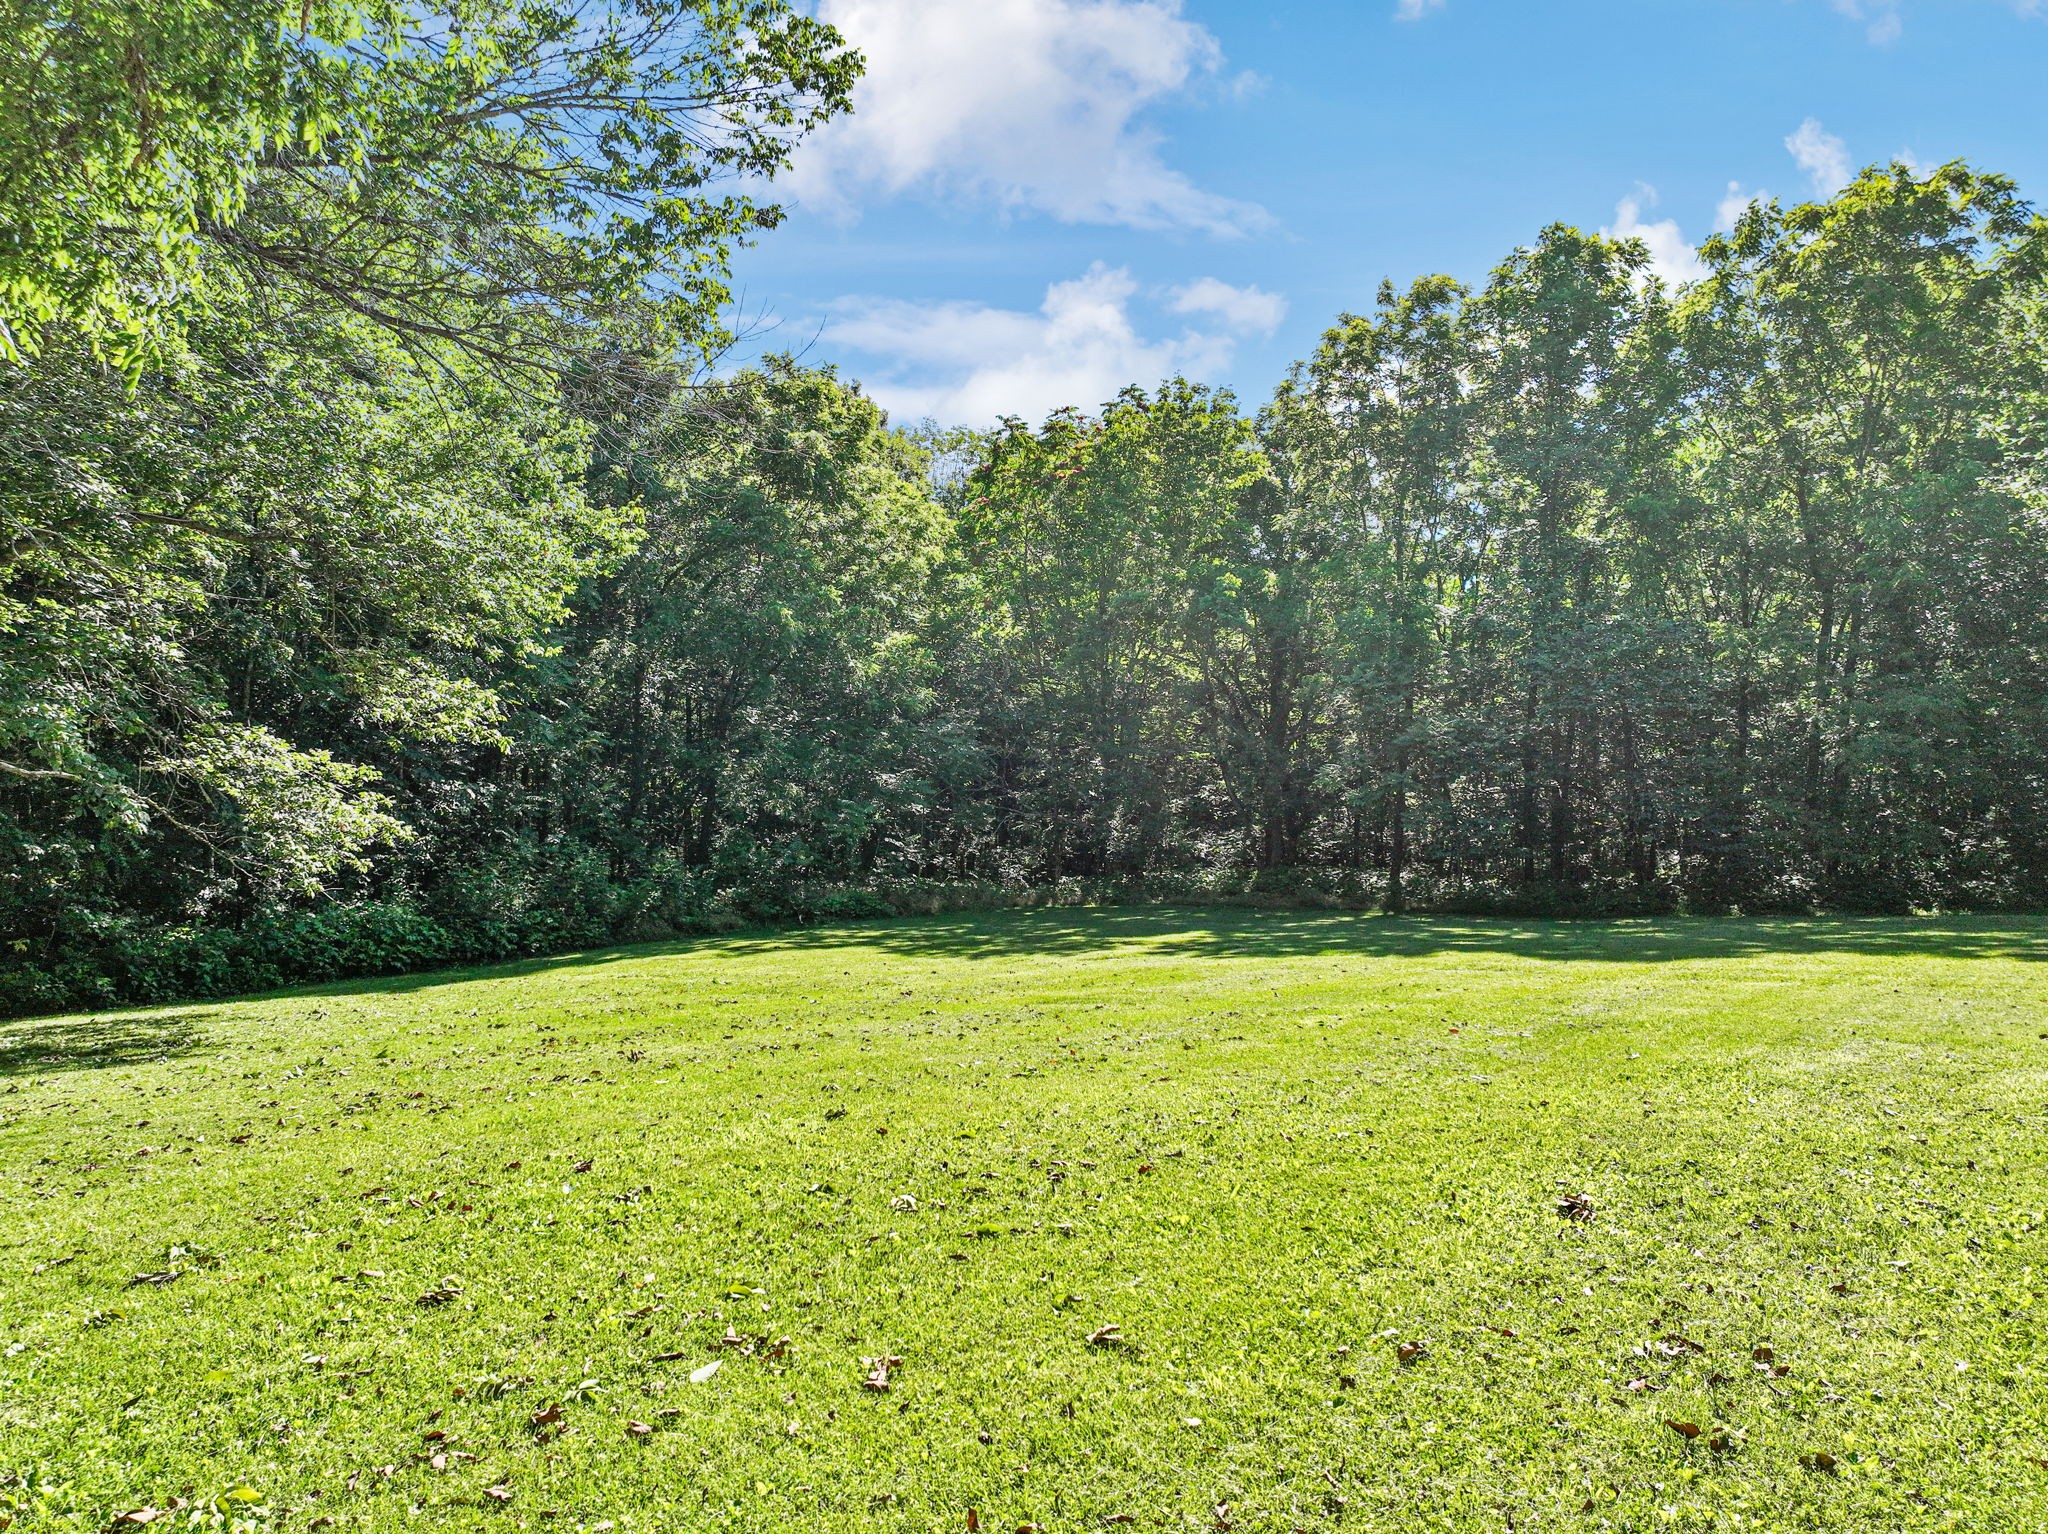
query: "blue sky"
1039, 201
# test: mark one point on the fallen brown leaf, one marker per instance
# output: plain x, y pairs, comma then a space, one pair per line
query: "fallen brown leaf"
1686, 1430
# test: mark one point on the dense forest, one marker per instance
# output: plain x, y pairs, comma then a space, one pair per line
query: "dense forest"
392, 572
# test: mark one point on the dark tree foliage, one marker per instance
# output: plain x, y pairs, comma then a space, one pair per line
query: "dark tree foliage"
323, 653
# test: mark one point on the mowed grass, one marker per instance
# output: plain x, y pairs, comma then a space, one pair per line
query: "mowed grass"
449, 1251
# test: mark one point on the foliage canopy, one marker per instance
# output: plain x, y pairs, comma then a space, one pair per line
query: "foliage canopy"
408, 593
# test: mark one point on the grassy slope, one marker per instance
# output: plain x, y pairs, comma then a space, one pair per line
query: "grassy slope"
1284, 1146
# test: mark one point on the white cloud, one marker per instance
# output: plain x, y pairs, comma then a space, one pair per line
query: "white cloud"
1415, 10
1733, 204
1823, 157
1672, 256
1882, 23
1248, 308
968, 362
1029, 104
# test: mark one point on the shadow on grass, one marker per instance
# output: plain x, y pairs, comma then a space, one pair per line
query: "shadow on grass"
1195, 931
31, 1048
1224, 932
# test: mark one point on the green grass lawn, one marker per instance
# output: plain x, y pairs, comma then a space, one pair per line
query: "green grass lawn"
1173, 1219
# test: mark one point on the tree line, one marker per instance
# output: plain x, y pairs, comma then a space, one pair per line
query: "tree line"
389, 576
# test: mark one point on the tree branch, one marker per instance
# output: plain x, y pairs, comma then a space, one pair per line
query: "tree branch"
39, 774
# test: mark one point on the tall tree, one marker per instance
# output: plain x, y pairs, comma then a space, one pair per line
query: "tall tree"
756, 675
1857, 358
1382, 416
1553, 330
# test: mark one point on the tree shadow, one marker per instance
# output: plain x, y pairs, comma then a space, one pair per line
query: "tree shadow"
1236, 932
45, 1047
1203, 931
1219, 932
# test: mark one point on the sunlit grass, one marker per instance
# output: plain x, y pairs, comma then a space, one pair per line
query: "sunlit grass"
1398, 1224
